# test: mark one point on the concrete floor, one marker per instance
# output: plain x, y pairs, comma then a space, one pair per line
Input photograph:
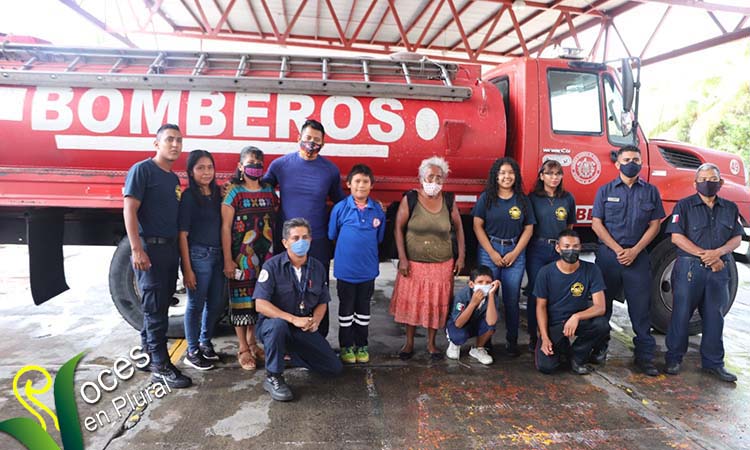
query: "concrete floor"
384, 404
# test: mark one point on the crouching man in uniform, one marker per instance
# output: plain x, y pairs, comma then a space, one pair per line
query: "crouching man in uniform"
562, 289
705, 228
291, 298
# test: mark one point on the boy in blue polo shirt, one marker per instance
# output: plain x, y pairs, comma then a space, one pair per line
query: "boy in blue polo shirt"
473, 314
357, 225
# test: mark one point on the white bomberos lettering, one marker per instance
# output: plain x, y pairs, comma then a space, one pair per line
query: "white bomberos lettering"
205, 105
142, 106
243, 111
50, 110
356, 117
395, 121
298, 115
114, 111
203, 113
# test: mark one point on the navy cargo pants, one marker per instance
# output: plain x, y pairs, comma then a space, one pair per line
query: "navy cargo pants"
695, 286
589, 333
310, 350
157, 286
635, 280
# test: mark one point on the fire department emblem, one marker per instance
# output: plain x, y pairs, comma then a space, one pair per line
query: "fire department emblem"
586, 168
577, 289
561, 213
734, 167
515, 212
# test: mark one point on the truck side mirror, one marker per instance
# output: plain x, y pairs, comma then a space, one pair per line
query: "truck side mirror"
628, 86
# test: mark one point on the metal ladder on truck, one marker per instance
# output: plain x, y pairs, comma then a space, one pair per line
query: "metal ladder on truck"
43, 65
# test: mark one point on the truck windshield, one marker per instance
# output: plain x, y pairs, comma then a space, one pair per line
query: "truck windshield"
616, 132
574, 102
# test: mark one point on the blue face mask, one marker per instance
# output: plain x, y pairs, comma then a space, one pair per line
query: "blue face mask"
301, 247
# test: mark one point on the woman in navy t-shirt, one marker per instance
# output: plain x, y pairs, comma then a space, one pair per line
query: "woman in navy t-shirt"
554, 210
503, 224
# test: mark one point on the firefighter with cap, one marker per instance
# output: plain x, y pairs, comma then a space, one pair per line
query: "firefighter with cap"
291, 297
706, 229
626, 216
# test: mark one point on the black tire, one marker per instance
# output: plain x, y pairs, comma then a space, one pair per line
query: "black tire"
662, 261
125, 295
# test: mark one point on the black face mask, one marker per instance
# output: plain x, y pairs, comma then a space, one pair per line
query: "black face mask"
708, 188
630, 169
570, 256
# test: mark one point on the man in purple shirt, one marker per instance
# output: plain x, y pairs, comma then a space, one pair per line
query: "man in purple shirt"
305, 181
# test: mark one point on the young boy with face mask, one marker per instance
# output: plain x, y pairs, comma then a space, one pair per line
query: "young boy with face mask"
474, 314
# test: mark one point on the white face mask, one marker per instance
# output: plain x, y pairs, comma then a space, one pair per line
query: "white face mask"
485, 288
431, 189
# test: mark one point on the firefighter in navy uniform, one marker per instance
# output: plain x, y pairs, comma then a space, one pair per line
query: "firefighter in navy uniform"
152, 198
291, 297
626, 217
706, 229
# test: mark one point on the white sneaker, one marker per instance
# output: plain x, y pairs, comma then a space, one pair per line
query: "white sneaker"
454, 351
481, 355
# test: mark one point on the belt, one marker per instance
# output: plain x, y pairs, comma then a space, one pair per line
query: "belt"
158, 240
502, 241
547, 241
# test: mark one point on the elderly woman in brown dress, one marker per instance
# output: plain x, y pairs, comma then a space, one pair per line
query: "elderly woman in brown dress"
424, 284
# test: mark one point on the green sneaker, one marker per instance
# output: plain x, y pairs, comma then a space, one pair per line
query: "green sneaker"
347, 355
362, 355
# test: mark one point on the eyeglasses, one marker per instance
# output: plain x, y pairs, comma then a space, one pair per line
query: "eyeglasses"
553, 174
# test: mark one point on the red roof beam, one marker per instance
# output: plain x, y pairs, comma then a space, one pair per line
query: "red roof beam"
224, 17
399, 25
479, 26
517, 27
455, 16
419, 17
489, 32
195, 18
363, 21
656, 30
88, 16
351, 16
429, 24
742, 33
269, 16
255, 17
336, 22
551, 33
380, 24
526, 20
289, 27
203, 18
744, 10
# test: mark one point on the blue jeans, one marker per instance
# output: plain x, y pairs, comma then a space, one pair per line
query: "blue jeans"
539, 253
206, 303
698, 287
510, 282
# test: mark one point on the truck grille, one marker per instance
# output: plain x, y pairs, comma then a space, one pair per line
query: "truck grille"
680, 159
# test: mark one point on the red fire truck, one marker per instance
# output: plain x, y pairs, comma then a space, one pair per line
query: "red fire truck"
74, 120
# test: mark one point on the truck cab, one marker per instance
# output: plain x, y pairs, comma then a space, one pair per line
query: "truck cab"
579, 113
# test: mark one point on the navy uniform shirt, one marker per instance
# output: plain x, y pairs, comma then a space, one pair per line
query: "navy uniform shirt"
278, 284
553, 214
567, 294
627, 211
504, 219
462, 300
357, 233
159, 193
200, 216
708, 228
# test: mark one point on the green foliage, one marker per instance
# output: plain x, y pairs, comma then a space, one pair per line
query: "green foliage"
732, 132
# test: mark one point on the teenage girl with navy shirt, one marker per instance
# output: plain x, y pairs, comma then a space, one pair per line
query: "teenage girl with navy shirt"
503, 225
554, 210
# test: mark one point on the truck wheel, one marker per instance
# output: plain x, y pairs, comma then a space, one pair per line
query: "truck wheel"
662, 261
124, 291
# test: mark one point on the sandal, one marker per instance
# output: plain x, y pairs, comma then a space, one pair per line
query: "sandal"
258, 353
246, 360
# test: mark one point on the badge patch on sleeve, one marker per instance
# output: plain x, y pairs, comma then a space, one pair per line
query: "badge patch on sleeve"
460, 307
263, 276
375, 222
675, 218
